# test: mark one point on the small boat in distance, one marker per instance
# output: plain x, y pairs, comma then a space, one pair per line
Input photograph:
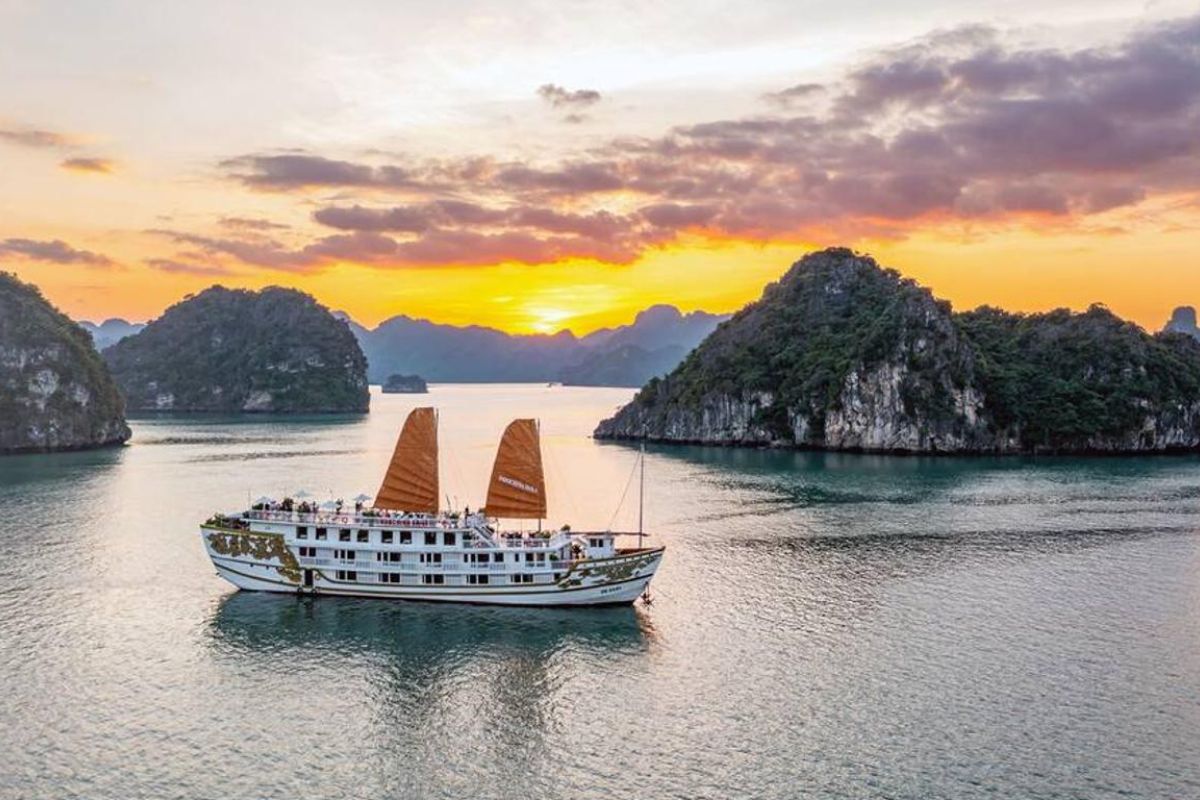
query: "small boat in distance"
404, 547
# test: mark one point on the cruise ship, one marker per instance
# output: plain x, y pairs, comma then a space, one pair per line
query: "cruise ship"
402, 546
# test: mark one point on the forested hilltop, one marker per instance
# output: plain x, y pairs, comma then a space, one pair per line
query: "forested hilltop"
843, 354
55, 392
229, 350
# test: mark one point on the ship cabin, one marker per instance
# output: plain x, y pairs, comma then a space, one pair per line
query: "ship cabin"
411, 549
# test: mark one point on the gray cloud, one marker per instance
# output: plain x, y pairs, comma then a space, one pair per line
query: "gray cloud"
188, 268
30, 137
793, 95
54, 251
297, 171
246, 224
101, 166
558, 97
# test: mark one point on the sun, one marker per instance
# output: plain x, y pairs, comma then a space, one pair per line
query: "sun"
547, 320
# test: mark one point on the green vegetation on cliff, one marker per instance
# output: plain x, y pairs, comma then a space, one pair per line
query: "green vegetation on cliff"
842, 353
229, 350
806, 334
1059, 379
55, 392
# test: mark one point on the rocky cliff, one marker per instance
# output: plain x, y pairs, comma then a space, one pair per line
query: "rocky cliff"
55, 392
226, 350
842, 354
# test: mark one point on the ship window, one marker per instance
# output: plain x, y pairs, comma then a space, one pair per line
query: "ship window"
405, 537
321, 533
557, 577
389, 577
364, 536
344, 535
431, 558
541, 558
435, 579
477, 579
448, 539
522, 578
497, 557
347, 575
529, 558
386, 537
302, 532
351, 575
430, 537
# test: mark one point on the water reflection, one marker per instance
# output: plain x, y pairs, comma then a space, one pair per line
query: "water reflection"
53, 469
418, 637
437, 675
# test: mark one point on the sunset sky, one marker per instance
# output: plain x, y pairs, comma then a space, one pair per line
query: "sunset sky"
544, 165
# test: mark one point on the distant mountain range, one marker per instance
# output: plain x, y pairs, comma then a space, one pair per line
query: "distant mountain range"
111, 331
628, 355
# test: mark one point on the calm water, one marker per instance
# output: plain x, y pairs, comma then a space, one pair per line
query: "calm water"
823, 626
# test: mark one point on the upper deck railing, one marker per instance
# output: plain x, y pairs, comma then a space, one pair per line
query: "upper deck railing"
352, 519
418, 522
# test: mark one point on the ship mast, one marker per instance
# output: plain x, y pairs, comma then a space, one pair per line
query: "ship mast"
641, 492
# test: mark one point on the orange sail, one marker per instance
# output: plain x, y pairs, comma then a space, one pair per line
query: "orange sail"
411, 482
518, 488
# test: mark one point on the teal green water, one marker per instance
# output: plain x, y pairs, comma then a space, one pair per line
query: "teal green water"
822, 626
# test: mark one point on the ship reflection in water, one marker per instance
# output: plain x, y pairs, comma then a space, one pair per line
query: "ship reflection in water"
419, 636
463, 693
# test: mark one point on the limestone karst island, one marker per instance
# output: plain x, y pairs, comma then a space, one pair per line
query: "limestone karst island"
843, 354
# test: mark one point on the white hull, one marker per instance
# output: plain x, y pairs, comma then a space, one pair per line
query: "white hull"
623, 593
267, 561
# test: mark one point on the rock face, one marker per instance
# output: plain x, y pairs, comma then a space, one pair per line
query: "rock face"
842, 354
227, 350
55, 391
405, 384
